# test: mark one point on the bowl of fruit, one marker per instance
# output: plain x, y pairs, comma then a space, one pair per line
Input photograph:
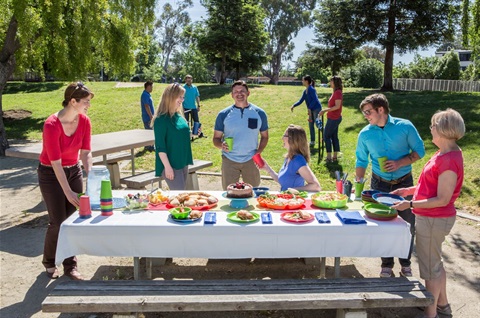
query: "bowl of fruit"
180, 212
136, 201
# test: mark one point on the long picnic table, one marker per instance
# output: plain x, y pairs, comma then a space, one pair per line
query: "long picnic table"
152, 234
102, 145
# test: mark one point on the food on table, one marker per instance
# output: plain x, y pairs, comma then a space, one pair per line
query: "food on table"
329, 196
193, 199
280, 201
195, 214
136, 201
180, 212
329, 200
240, 190
298, 215
244, 215
157, 197
297, 193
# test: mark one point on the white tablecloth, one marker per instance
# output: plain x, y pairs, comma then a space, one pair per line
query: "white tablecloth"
152, 234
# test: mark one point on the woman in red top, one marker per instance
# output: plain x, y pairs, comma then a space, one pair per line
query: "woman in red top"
334, 116
65, 134
438, 187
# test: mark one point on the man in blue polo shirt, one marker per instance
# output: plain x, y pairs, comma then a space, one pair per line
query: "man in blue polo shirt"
244, 122
397, 140
146, 105
191, 102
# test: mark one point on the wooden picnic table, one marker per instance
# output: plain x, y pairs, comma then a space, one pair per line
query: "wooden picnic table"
102, 145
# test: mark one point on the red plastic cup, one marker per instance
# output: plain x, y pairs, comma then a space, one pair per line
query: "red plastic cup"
257, 158
84, 210
339, 185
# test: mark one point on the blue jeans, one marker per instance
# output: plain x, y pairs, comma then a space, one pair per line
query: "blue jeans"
330, 135
194, 113
407, 215
311, 123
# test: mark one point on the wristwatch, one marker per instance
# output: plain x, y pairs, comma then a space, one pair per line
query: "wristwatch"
411, 204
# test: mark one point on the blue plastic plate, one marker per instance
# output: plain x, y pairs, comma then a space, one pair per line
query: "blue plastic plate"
387, 198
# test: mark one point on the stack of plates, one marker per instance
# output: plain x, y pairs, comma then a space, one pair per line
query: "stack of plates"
367, 196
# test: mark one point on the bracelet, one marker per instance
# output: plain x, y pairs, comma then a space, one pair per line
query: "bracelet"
411, 204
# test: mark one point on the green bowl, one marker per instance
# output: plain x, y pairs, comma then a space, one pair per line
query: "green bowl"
332, 204
380, 212
180, 212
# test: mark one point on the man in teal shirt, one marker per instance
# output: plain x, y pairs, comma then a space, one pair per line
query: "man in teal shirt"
397, 140
191, 103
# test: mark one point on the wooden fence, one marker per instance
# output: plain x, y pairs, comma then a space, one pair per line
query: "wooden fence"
410, 84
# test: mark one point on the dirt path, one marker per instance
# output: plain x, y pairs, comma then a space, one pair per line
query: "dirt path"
24, 285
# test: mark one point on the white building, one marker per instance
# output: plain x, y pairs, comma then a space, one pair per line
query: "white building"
465, 57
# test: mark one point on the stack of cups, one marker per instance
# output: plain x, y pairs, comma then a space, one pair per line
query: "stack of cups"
85, 211
106, 199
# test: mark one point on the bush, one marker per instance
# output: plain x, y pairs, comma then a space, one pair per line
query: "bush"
448, 67
368, 73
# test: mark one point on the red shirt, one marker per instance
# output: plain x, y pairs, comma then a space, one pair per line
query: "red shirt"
57, 145
428, 183
336, 114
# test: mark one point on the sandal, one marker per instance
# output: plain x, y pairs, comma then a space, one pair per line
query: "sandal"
52, 272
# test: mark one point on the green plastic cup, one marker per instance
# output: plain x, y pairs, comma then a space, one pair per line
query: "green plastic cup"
381, 163
106, 190
229, 141
359, 189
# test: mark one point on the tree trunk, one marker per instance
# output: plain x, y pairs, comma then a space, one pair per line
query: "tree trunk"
389, 48
276, 65
7, 65
224, 65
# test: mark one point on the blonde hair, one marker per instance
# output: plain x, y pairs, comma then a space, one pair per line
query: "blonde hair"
297, 141
449, 124
168, 102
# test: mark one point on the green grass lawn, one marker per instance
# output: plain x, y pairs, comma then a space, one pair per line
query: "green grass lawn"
115, 109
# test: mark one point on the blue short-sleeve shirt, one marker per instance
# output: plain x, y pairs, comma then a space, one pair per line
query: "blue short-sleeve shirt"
244, 125
288, 176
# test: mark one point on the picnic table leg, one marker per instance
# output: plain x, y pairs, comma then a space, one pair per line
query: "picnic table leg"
322, 266
192, 181
351, 313
136, 268
337, 267
149, 264
132, 159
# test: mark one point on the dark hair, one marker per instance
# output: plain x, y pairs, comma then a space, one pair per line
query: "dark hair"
240, 83
337, 82
309, 79
147, 83
75, 90
377, 101
188, 76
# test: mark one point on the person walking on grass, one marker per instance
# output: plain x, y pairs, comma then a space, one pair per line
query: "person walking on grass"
66, 134
191, 103
313, 105
397, 140
433, 203
173, 151
146, 105
334, 118
244, 122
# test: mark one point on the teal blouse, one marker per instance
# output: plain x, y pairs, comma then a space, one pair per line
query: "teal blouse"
172, 136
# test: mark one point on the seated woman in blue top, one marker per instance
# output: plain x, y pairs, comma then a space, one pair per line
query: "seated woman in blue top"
295, 172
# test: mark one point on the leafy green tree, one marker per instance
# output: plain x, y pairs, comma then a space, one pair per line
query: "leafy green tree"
394, 25
308, 64
284, 19
448, 67
192, 61
232, 27
170, 26
368, 73
69, 39
423, 67
465, 22
401, 70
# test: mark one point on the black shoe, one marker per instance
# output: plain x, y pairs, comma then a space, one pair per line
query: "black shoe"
201, 135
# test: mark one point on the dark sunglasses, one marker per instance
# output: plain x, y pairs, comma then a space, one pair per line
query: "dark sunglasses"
79, 85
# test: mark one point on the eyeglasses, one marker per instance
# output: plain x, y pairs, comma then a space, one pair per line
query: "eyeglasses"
285, 136
432, 126
367, 112
79, 85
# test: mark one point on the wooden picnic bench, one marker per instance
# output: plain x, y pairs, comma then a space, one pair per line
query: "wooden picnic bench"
351, 297
141, 180
111, 161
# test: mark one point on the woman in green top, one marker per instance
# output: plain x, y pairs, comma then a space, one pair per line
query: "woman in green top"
173, 152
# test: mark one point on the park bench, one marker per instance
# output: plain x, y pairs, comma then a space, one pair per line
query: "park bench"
111, 161
351, 297
141, 180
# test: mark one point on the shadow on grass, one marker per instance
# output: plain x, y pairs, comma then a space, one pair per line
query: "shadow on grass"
19, 128
24, 87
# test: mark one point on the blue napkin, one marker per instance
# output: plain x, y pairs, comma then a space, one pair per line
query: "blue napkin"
267, 218
322, 217
350, 217
210, 218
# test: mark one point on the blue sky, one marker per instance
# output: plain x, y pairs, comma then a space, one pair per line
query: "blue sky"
197, 12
